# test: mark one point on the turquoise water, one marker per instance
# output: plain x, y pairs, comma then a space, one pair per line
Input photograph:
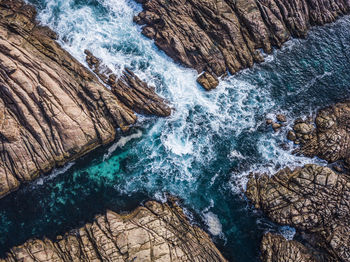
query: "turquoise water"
202, 153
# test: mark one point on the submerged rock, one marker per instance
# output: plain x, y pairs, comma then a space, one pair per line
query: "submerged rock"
155, 232
329, 136
220, 36
313, 199
131, 90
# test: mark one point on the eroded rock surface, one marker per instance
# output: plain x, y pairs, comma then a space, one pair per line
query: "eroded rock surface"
275, 248
52, 109
133, 92
225, 35
313, 199
328, 137
155, 232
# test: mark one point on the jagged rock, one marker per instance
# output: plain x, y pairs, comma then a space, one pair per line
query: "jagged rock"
281, 118
269, 121
220, 36
52, 109
313, 199
275, 248
291, 135
327, 138
208, 81
155, 232
276, 126
129, 89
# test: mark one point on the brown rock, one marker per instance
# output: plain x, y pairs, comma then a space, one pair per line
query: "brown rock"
313, 199
269, 121
208, 81
291, 136
220, 36
277, 249
130, 89
329, 137
276, 126
155, 232
281, 118
52, 109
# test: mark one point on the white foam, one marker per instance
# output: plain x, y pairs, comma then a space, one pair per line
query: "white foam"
54, 173
121, 143
234, 154
287, 232
213, 223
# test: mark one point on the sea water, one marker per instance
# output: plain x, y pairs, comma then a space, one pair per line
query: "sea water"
203, 153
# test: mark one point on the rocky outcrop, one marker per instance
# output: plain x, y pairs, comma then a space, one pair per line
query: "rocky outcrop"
314, 200
133, 92
52, 109
155, 232
275, 248
220, 36
328, 137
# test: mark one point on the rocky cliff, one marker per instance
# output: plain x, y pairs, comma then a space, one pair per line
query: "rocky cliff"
155, 232
226, 35
328, 136
313, 199
52, 109
275, 248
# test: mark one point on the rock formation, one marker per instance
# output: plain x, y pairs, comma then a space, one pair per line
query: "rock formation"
52, 109
220, 36
275, 248
328, 137
313, 199
133, 92
155, 232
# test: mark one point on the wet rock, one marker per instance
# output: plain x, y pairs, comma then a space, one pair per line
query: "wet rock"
52, 109
313, 199
275, 248
329, 136
220, 36
281, 118
155, 232
133, 92
276, 126
208, 81
291, 136
269, 121
338, 168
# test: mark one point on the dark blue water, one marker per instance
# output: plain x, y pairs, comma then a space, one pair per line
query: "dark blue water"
202, 153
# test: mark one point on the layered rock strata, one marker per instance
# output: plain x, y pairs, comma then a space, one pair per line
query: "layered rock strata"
328, 137
133, 92
313, 199
220, 36
155, 232
52, 109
